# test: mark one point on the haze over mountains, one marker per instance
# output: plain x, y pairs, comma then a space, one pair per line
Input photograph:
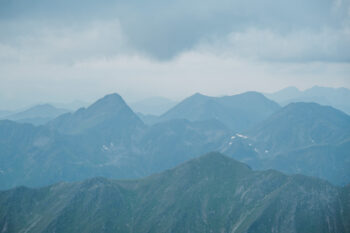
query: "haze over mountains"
159, 116
336, 97
212, 193
300, 138
152, 106
36, 115
238, 112
208, 192
108, 139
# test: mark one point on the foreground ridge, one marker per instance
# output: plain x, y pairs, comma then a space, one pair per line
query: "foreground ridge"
212, 193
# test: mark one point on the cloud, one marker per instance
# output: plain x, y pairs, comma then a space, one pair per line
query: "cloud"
164, 29
329, 45
64, 43
64, 50
136, 77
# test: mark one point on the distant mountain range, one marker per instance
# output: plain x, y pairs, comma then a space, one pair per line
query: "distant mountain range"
238, 112
152, 106
212, 193
108, 139
71, 106
336, 97
37, 115
4, 113
105, 139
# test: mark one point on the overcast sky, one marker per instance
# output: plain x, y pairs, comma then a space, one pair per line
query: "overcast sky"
65, 50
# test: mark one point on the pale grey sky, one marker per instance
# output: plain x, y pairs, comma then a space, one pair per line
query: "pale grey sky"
81, 50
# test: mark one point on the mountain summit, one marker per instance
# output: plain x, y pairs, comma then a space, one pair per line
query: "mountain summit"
305, 138
302, 124
238, 112
110, 113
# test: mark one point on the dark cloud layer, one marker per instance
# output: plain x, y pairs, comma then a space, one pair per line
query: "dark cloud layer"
62, 50
163, 29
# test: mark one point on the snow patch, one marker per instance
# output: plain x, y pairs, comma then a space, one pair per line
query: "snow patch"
105, 148
111, 147
241, 136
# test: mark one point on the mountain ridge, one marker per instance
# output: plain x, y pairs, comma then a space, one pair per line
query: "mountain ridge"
335, 97
237, 111
190, 197
303, 138
104, 114
37, 115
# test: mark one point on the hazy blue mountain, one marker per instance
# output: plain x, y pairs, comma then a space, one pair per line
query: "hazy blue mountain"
284, 95
336, 97
330, 162
37, 156
72, 106
238, 112
4, 113
209, 194
301, 125
106, 139
109, 117
152, 106
148, 119
37, 115
170, 143
304, 138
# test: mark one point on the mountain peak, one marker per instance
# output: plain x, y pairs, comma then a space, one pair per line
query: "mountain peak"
216, 164
112, 96
109, 100
300, 125
109, 113
95, 182
238, 112
252, 93
198, 95
217, 158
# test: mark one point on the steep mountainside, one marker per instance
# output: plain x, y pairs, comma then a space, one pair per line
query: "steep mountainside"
300, 125
209, 194
112, 143
302, 138
108, 118
108, 139
170, 143
239, 112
